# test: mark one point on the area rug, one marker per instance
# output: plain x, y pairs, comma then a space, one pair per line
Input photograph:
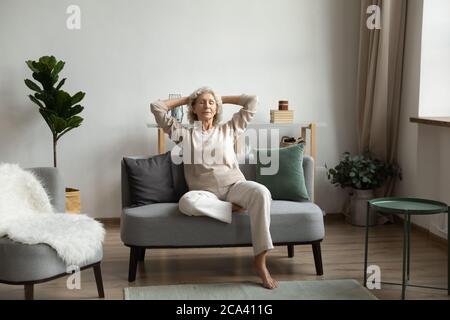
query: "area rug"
347, 289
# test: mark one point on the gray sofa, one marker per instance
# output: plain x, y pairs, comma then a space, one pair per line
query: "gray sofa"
162, 225
27, 265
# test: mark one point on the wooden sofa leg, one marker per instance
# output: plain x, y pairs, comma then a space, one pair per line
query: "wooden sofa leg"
99, 280
134, 255
141, 254
29, 291
290, 250
317, 257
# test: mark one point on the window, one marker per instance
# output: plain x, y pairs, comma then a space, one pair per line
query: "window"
435, 61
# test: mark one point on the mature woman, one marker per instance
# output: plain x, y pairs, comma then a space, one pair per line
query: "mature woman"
217, 186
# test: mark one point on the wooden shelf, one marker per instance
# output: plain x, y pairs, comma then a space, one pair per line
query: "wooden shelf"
433, 121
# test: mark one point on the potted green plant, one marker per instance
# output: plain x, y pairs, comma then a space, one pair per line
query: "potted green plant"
362, 174
59, 109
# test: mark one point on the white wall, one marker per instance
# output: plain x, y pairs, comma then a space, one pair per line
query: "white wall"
129, 53
435, 66
424, 151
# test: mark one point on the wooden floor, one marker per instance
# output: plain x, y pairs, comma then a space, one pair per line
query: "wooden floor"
342, 251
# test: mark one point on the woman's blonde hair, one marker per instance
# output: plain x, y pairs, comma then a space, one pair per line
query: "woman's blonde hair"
193, 97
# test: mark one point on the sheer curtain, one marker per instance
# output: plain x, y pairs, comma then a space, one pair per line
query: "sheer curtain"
380, 73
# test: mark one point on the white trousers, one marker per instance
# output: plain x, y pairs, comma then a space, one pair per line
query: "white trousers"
217, 204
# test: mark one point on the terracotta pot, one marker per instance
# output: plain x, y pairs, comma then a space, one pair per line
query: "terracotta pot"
73, 204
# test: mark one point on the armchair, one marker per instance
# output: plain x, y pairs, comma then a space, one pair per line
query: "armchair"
27, 265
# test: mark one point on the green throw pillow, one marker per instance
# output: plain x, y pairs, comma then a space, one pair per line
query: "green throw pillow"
289, 182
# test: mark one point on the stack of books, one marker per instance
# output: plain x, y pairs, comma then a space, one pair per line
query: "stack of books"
281, 116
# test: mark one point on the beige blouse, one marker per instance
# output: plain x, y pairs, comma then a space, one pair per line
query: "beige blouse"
209, 157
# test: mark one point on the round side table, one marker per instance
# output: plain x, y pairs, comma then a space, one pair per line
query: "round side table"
407, 207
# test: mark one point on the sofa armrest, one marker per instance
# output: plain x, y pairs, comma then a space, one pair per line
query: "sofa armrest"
308, 170
124, 187
53, 184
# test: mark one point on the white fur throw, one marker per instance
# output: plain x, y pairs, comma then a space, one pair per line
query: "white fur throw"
27, 216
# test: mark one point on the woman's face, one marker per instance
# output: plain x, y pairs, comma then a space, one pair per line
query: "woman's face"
205, 107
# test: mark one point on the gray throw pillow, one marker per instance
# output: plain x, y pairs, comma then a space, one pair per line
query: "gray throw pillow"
150, 180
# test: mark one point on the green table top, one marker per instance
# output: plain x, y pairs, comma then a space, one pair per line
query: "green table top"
408, 205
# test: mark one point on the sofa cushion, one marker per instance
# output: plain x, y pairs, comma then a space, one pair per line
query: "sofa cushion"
23, 262
179, 182
163, 225
288, 183
150, 180
248, 170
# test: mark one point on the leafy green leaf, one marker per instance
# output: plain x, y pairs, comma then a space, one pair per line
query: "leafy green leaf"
32, 98
74, 122
30, 65
64, 132
46, 115
33, 86
58, 67
77, 97
45, 79
62, 102
75, 110
58, 123
60, 84
46, 98
48, 61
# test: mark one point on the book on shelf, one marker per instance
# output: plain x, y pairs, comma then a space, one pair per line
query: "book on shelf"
282, 112
277, 117
288, 116
281, 121
281, 116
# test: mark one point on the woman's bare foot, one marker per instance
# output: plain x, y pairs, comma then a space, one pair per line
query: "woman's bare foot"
260, 265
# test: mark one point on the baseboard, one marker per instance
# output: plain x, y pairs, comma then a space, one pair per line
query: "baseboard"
334, 217
433, 237
110, 222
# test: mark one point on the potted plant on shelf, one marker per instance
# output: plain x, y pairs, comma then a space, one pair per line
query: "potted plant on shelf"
362, 174
58, 108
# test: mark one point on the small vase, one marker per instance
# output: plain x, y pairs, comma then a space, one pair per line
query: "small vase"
358, 208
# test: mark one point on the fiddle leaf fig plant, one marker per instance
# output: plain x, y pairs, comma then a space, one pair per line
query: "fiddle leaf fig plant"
58, 108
